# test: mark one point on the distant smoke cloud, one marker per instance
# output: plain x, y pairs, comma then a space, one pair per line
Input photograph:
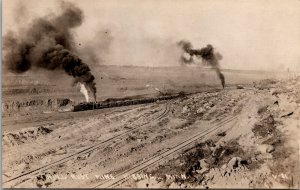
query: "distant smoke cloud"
20, 12
48, 43
97, 47
207, 54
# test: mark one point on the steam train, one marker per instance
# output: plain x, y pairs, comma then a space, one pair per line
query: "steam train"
119, 103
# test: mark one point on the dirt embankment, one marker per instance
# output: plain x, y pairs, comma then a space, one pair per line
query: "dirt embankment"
147, 130
24, 136
31, 106
261, 151
21, 90
258, 147
25, 95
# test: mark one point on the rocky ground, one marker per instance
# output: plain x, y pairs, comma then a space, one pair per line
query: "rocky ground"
238, 137
260, 151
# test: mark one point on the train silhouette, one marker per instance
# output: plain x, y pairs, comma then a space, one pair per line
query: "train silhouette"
121, 102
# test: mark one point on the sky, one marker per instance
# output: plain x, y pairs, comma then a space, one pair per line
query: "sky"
252, 35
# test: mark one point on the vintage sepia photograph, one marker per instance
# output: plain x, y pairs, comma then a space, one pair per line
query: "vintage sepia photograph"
169, 94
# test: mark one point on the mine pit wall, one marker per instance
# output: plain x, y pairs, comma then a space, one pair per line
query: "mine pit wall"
29, 91
15, 106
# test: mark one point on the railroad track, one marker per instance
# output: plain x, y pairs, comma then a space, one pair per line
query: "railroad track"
89, 149
115, 139
122, 177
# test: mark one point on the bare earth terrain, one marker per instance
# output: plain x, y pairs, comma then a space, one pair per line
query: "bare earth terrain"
244, 136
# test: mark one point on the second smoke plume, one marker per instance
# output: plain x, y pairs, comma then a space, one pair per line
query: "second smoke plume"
207, 54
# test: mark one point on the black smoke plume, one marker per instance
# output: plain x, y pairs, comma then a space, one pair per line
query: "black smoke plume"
48, 43
207, 54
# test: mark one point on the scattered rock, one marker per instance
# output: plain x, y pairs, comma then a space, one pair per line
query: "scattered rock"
83, 157
234, 162
44, 130
200, 110
270, 149
224, 166
222, 134
239, 87
262, 109
289, 114
184, 109
264, 127
174, 186
47, 183
43, 180
204, 166
28, 134
39, 183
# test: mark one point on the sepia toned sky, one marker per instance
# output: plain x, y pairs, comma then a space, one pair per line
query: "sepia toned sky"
256, 34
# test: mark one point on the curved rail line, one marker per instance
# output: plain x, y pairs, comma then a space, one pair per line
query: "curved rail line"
90, 148
165, 112
120, 178
139, 167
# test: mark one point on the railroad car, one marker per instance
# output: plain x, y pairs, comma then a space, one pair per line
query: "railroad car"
117, 103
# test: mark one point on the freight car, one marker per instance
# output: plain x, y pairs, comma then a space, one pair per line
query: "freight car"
120, 102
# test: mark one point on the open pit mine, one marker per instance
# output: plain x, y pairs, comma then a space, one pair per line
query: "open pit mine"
198, 139
124, 102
